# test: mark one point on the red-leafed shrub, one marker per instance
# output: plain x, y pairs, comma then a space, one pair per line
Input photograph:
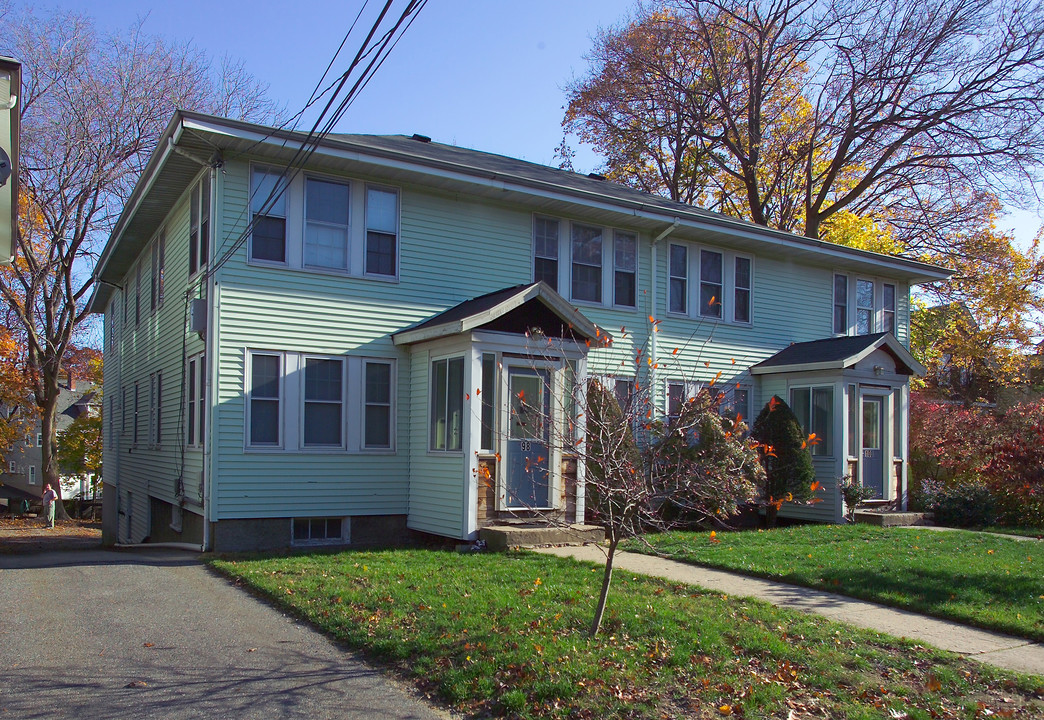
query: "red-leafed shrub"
953, 447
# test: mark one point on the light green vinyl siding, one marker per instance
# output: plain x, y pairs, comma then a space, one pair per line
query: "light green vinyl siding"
152, 345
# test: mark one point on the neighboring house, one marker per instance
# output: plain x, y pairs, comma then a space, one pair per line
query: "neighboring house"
344, 371
22, 470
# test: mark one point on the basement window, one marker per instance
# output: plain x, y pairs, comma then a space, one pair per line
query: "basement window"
316, 531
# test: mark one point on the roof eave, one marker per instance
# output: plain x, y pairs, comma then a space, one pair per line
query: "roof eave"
914, 272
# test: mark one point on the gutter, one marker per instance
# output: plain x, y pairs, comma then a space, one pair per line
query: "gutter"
448, 169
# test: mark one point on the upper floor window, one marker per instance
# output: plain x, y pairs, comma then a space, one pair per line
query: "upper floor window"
679, 282
587, 263
741, 290
707, 283
625, 269
326, 224
864, 307
382, 231
199, 225
711, 283
888, 308
840, 304
268, 215
159, 261
545, 251
600, 263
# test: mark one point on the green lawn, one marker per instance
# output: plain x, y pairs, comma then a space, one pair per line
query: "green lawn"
1033, 532
505, 635
984, 580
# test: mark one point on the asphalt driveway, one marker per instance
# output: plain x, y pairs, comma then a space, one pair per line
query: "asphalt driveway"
154, 634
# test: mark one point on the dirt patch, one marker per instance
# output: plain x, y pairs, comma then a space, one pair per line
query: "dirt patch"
26, 535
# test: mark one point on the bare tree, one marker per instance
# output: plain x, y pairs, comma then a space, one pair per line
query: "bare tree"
93, 106
809, 108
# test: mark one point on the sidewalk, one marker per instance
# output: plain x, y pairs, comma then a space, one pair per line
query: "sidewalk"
1011, 653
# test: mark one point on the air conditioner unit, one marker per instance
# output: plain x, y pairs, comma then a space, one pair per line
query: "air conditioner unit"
198, 316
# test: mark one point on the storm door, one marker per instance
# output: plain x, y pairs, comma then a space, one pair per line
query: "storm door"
527, 479
873, 445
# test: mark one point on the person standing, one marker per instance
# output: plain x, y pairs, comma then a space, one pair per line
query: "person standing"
49, 497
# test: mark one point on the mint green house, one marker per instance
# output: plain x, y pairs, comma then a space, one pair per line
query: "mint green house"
337, 356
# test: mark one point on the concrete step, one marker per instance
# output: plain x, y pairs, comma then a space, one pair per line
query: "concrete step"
892, 518
502, 537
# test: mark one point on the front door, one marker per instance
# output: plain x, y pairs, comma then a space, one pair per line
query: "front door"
528, 482
873, 445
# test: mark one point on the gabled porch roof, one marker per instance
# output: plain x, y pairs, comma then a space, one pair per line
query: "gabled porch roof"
838, 354
513, 309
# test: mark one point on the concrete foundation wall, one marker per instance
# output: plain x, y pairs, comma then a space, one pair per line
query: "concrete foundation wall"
110, 514
161, 530
275, 533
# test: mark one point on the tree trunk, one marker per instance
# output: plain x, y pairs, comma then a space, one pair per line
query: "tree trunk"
771, 511
48, 406
607, 579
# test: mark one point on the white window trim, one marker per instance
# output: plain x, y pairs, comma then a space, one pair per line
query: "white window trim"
344, 539
847, 302
197, 406
287, 232
359, 444
731, 260
291, 405
32, 475
366, 229
197, 189
852, 308
304, 219
296, 220
302, 400
430, 409
12, 467
688, 281
281, 424
616, 233
558, 249
690, 390
39, 439
812, 387
608, 266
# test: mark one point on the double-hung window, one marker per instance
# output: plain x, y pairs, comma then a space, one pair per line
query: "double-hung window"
741, 290
864, 307
323, 402
382, 231
679, 279
587, 263
195, 400
711, 284
326, 224
199, 225
137, 397
888, 308
840, 304
268, 215
155, 408
447, 404
264, 399
814, 408
545, 251
625, 269
678, 393
377, 412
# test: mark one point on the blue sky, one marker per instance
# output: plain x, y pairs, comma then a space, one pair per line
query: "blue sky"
485, 74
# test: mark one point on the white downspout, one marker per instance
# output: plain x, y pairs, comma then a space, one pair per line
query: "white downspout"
217, 197
654, 270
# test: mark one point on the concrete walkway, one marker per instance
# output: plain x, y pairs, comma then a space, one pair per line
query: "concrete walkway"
1004, 651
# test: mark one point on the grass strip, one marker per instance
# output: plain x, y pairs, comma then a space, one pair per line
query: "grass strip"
504, 635
976, 578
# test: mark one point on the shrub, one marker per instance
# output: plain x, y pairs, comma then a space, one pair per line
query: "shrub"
853, 492
785, 456
968, 503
